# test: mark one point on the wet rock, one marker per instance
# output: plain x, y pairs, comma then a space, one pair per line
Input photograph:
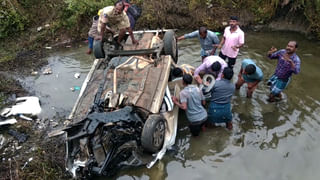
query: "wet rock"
21, 137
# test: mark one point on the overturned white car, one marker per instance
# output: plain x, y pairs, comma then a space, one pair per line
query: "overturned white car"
124, 115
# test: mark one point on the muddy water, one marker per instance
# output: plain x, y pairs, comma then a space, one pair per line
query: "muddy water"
269, 141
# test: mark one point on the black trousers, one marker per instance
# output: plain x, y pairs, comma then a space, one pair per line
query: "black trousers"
195, 127
231, 61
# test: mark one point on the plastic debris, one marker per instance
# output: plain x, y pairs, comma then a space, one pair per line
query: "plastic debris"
21, 137
24, 105
56, 133
24, 117
47, 71
34, 73
26, 163
75, 88
77, 75
2, 140
47, 25
48, 47
68, 46
39, 28
8, 121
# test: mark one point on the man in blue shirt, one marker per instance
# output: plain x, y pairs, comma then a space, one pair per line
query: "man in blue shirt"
251, 74
219, 110
208, 41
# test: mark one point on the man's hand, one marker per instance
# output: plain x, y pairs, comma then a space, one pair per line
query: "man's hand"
213, 50
286, 57
174, 99
235, 48
272, 50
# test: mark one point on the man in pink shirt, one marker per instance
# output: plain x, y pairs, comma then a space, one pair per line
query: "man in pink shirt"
212, 65
232, 40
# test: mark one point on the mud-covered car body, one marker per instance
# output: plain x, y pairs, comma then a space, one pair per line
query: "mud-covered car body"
124, 115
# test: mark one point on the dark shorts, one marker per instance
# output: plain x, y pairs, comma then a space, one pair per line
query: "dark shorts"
131, 20
277, 84
196, 127
219, 113
231, 61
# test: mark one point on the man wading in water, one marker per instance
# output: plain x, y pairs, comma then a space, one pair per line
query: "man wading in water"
288, 63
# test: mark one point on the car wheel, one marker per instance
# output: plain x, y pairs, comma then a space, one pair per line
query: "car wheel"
98, 50
153, 133
170, 45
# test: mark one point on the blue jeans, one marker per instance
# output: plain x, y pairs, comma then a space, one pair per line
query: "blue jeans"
90, 39
219, 113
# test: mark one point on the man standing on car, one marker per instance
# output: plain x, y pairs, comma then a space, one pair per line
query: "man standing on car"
288, 64
192, 101
117, 20
208, 41
232, 40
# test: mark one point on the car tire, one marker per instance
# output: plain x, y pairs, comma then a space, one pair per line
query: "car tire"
153, 133
98, 50
170, 45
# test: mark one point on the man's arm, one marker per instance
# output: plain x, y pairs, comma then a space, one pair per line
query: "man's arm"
297, 66
102, 30
240, 73
181, 38
215, 42
221, 42
271, 52
203, 102
199, 69
189, 35
182, 105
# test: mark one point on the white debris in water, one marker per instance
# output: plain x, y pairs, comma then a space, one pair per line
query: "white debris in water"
24, 105
47, 71
8, 121
2, 140
47, 25
77, 75
34, 73
48, 47
26, 163
39, 28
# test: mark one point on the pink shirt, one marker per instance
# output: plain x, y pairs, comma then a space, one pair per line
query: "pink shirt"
206, 66
232, 39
